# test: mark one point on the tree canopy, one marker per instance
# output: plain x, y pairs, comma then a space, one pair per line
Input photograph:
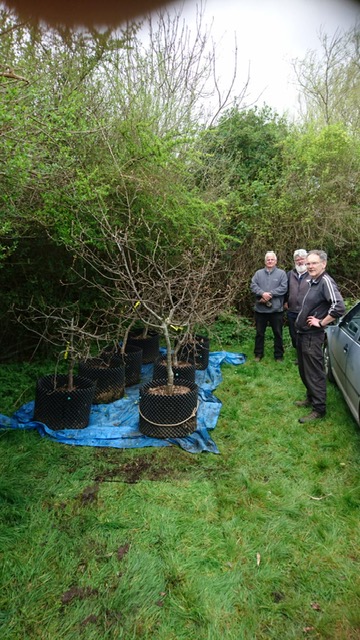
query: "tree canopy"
109, 125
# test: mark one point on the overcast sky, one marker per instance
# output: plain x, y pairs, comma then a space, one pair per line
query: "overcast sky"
271, 33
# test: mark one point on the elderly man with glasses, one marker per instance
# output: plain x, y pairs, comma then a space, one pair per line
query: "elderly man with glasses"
321, 305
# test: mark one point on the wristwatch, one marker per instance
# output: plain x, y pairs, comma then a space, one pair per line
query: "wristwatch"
320, 325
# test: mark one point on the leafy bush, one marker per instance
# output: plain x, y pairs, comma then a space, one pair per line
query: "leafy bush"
231, 327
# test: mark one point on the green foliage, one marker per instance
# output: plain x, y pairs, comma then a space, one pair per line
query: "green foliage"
242, 163
230, 327
97, 124
241, 160
282, 188
321, 195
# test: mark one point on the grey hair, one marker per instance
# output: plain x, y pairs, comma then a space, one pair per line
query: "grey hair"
300, 253
270, 253
319, 252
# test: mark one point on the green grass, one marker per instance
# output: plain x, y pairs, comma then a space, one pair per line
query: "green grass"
259, 542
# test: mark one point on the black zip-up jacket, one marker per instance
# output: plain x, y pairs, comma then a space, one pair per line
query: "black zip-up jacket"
297, 288
322, 298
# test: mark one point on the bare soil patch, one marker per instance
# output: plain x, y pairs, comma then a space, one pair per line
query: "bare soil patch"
154, 466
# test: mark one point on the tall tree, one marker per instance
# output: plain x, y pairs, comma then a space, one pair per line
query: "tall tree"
329, 80
93, 121
319, 200
240, 168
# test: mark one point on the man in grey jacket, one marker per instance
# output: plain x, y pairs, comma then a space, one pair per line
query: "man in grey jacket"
269, 286
321, 305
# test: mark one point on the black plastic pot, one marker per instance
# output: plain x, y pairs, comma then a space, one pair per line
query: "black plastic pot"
184, 370
196, 351
59, 408
168, 416
132, 359
149, 345
109, 378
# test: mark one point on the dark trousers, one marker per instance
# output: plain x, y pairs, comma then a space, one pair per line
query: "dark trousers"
291, 317
311, 368
275, 320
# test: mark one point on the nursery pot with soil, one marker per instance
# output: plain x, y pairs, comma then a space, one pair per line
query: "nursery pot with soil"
182, 370
168, 416
59, 408
109, 378
149, 345
196, 351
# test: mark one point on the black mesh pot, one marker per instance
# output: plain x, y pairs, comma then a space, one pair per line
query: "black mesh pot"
132, 359
183, 370
149, 345
165, 416
110, 354
109, 378
59, 408
196, 351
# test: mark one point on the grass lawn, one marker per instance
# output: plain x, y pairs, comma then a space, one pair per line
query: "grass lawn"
261, 541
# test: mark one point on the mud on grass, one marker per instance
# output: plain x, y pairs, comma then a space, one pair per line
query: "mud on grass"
167, 465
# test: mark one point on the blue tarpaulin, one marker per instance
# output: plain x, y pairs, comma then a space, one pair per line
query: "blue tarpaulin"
117, 424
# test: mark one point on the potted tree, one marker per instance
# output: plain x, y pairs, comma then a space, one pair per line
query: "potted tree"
146, 339
168, 404
173, 288
195, 349
63, 401
183, 368
109, 376
120, 351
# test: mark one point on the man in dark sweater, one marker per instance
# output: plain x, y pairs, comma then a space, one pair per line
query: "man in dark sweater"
321, 305
297, 287
269, 286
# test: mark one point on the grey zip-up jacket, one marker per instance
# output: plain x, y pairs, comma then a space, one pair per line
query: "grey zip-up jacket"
275, 282
321, 299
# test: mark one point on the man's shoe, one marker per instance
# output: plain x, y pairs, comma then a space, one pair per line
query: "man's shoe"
302, 403
279, 359
257, 358
314, 415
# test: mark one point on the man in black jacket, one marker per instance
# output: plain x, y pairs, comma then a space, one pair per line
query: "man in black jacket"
322, 303
297, 287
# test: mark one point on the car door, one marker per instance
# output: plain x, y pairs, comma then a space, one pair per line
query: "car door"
346, 354
352, 373
339, 353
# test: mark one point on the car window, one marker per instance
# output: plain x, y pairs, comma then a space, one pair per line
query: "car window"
351, 321
354, 325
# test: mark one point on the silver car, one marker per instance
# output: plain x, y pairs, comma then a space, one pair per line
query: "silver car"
342, 358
